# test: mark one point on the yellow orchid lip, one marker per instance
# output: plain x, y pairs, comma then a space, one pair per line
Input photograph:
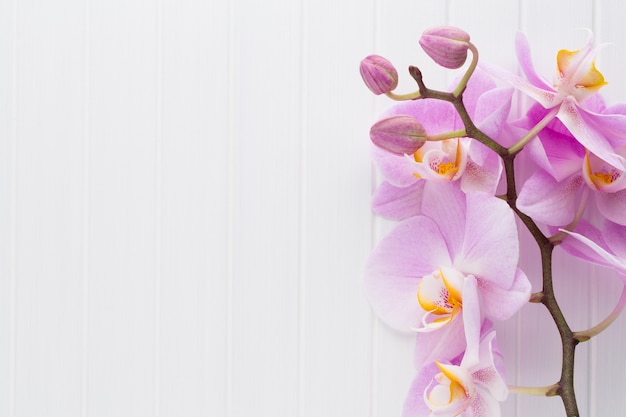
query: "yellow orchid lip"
602, 177
455, 382
436, 298
440, 294
448, 373
569, 62
577, 73
442, 161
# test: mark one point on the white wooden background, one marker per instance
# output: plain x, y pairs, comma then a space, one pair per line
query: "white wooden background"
184, 190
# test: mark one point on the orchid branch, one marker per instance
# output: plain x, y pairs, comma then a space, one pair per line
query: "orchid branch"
566, 382
565, 387
457, 101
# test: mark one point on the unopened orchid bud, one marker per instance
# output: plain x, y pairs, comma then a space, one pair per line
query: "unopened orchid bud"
379, 74
399, 134
446, 45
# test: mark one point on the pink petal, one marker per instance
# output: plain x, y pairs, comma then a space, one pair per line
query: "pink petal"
603, 257
489, 383
482, 175
442, 345
486, 373
414, 404
557, 153
434, 115
615, 236
548, 201
395, 267
587, 130
546, 97
396, 169
525, 60
490, 234
492, 110
500, 303
444, 202
398, 203
471, 321
580, 250
612, 206
611, 122
484, 405
479, 84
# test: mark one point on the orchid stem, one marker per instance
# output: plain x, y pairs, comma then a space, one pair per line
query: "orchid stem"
549, 391
533, 132
585, 335
565, 387
470, 70
403, 97
568, 342
448, 135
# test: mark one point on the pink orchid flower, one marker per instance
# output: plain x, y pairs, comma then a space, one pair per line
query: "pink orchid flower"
442, 272
575, 81
570, 177
467, 389
605, 246
462, 160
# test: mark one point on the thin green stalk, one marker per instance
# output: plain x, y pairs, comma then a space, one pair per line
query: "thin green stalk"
470, 70
534, 131
448, 135
403, 97
584, 335
548, 391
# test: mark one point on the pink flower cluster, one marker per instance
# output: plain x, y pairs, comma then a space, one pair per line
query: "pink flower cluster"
449, 268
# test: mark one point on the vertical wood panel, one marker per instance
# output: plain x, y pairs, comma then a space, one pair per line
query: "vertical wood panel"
49, 209
399, 27
123, 204
336, 222
195, 203
266, 207
7, 203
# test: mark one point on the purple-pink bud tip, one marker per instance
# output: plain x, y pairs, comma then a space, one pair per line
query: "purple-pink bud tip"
446, 45
379, 74
399, 134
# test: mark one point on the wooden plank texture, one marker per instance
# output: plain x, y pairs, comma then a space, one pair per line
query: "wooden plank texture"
184, 207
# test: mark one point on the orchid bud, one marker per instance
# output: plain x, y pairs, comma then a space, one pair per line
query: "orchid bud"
446, 45
399, 134
379, 74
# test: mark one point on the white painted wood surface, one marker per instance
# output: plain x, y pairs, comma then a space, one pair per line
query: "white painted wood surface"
184, 219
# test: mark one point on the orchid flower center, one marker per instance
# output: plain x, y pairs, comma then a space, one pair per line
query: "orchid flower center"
440, 295
441, 161
601, 176
454, 390
577, 74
